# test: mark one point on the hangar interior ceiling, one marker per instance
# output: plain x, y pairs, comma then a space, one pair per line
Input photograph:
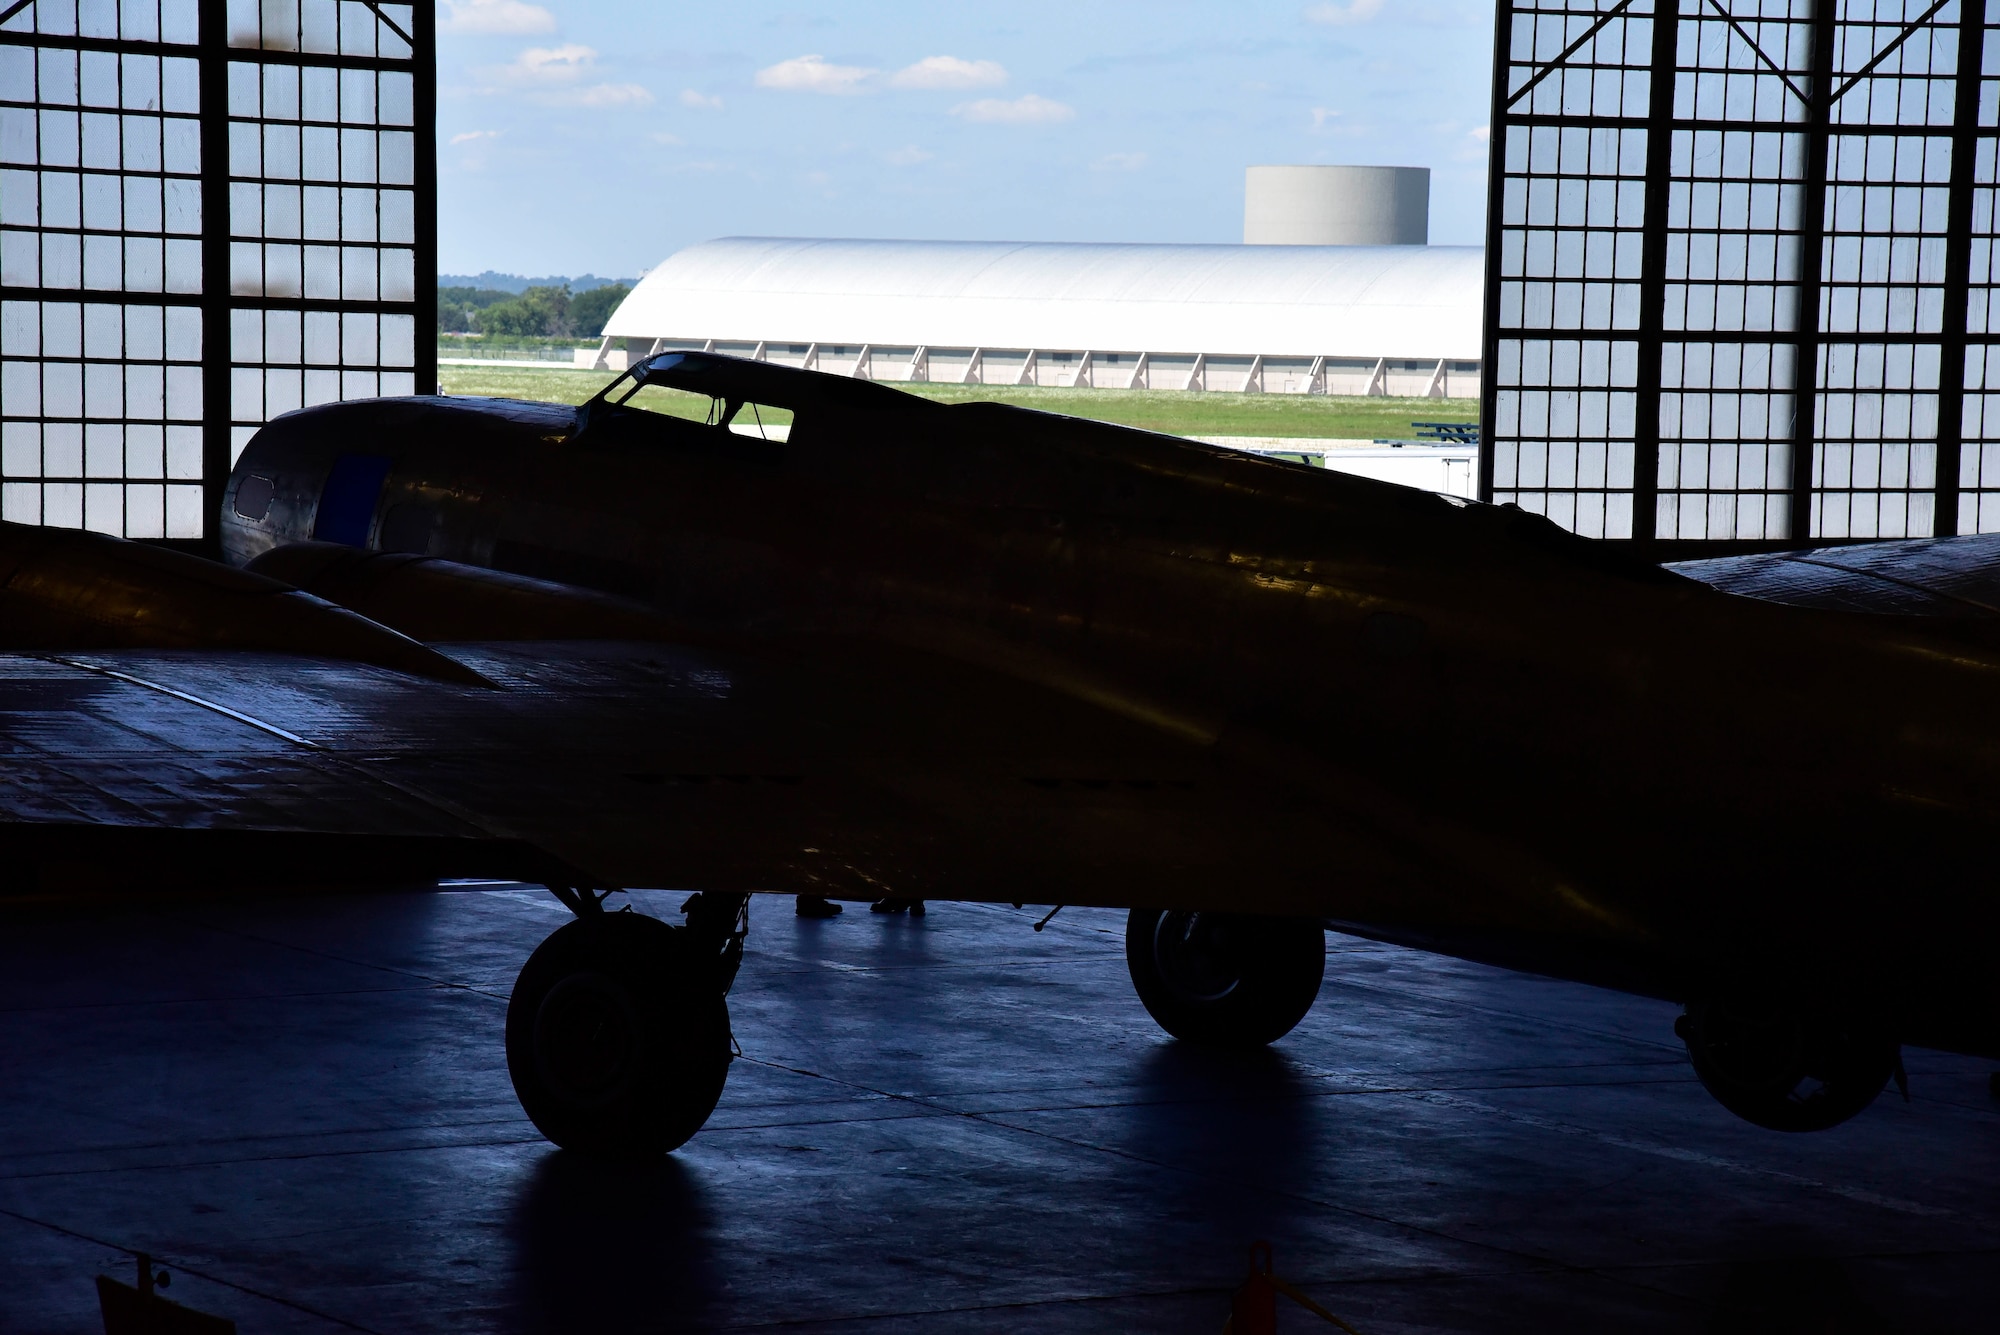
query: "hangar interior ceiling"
147, 146
1740, 269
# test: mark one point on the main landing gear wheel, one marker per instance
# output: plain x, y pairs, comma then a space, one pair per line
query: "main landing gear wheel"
1225, 979
1785, 1071
617, 1036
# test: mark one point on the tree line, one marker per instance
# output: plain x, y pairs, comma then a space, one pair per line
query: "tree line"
539, 312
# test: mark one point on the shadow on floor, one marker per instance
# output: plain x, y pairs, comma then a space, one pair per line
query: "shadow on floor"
612, 1246
1225, 1119
1794, 1296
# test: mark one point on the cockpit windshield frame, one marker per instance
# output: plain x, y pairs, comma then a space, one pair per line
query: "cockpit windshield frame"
732, 382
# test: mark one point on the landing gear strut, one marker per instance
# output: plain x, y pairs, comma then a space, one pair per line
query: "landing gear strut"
617, 1033
1225, 979
1786, 1070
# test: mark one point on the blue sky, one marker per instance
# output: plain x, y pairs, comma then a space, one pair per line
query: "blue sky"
602, 135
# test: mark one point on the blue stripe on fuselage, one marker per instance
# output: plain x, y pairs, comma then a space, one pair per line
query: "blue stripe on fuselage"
347, 501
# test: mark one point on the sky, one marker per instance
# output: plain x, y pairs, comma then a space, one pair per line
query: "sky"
600, 136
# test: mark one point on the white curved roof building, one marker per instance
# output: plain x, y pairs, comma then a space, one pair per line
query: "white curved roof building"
1297, 319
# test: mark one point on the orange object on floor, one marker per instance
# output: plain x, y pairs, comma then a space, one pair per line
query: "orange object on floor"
1254, 1310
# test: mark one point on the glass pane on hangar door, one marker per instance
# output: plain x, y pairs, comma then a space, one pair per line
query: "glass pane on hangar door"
211, 212
1740, 269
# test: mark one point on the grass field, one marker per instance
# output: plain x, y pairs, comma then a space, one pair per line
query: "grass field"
1181, 414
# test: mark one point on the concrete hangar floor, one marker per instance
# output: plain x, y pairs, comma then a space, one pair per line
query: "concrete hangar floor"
938, 1124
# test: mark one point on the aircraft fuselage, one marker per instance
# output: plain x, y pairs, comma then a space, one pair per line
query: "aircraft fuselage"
1469, 730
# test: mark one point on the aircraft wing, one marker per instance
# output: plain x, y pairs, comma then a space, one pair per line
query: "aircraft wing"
625, 764
1940, 577
167, 721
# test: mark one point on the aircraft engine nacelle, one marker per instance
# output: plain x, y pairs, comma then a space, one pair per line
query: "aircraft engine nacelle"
346, 473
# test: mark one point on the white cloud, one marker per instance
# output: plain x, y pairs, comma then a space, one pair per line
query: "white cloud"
949, 72
556, 76
470, 135
509, 17
811, 74
1119, 162
600, 95
908, 156
1321, 115
1030, 109
1340, 16
705, 101
1480, 132
550, 64
662, 137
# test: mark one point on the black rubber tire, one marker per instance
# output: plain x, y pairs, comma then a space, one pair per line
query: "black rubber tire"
1224, 979
617, 1044
1782, 1071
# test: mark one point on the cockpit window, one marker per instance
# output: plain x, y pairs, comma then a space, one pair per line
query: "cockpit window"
745, 419
668, 402
731, 396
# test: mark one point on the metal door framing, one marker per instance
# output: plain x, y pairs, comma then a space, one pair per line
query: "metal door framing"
1740, 267
211, 211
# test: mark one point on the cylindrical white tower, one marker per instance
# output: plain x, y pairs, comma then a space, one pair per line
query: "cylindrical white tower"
1336, 206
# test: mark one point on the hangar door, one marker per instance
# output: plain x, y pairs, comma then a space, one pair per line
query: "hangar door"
1740, 269
211, 212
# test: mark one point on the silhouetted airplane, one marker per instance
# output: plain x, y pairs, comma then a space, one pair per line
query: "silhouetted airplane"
981, 653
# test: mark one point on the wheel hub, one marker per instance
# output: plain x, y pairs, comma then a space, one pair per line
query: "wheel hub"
1196, 956
586, 1039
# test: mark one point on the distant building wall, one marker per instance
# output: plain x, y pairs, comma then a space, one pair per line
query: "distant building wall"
1065, 368
1230, 319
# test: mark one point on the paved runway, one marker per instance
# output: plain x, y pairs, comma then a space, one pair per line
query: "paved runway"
945, 1124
